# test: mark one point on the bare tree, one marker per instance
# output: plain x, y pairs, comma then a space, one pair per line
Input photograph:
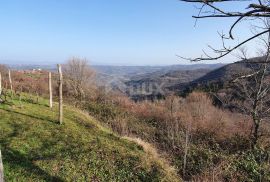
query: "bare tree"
79, 77
250, 93
254, 10
250, 90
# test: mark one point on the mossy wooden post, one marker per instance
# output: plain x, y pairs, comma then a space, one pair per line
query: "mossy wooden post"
50, 89
0, 84
60, 94
10, 81
1, 169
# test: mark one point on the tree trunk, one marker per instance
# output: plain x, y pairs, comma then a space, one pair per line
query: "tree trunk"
60, 94
50, 89
256, 122
1, 169
255, 133
10, 81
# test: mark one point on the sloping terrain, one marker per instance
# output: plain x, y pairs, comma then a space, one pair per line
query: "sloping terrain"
220, 76
224, 74
217, 76
36, 148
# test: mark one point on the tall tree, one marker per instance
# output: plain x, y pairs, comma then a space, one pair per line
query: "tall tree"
78, 77
250, 92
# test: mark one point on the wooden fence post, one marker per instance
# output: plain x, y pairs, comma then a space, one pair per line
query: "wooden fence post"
60, 94
1, 169
10, 81
50, 89
0, 84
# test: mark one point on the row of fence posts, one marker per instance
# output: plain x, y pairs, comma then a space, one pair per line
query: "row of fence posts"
60, 118
60, 83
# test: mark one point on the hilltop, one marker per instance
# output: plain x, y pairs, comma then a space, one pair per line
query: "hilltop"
36, 148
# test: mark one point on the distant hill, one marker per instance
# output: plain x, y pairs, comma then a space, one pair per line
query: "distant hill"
218, 76
223, 75
142, 81
131, 71
180, 79
159, 84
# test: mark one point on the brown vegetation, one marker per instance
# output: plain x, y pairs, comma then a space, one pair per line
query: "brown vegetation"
202, 141
211, 138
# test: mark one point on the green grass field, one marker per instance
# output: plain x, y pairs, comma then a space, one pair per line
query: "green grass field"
36, 148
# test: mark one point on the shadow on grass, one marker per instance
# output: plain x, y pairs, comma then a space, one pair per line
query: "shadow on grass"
16, 159
31, 116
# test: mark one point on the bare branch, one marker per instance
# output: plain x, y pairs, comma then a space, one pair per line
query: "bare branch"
227, 52
252, 12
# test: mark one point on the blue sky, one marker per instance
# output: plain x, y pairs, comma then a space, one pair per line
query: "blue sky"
114, 32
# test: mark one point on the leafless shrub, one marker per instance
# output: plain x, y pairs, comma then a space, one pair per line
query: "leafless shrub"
79, 79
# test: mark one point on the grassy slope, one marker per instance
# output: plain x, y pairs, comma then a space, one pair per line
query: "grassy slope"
36, 148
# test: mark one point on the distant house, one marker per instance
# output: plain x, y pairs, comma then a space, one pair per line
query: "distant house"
36, 70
